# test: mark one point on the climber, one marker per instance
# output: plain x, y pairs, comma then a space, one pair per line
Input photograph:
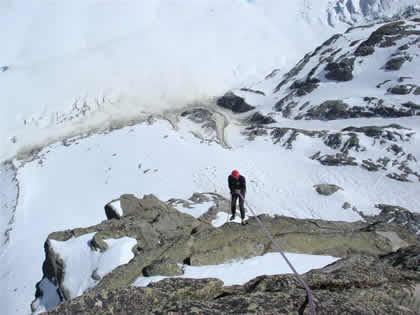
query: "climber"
237, 187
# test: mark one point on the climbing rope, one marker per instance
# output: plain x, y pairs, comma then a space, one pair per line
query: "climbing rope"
270, 237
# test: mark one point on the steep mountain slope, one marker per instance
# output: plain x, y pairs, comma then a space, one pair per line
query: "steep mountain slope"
366, 72
78, 65
66, 185
371, 159
362, 11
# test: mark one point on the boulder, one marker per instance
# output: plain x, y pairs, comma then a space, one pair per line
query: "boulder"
346, 205
235, 103
327, 189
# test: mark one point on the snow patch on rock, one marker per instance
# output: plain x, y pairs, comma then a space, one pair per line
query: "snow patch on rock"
81, 261
240, 272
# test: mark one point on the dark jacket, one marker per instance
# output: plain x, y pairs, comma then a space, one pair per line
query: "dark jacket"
235, 184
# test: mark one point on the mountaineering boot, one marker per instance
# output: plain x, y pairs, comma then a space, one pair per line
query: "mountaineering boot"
232, 218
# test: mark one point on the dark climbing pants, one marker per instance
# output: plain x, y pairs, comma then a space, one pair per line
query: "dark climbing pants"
235, 197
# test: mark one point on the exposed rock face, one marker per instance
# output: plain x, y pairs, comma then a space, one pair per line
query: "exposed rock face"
338, 159
332, 109
235, 103
384, 36
357, 285
350, 147
304, 92
397, 215
305, 87
259, 119
166, 238
154, 224
327, 189
402, 89
340, 71
253, 91
395, 64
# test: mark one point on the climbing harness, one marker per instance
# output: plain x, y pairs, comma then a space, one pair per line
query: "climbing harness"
270, 237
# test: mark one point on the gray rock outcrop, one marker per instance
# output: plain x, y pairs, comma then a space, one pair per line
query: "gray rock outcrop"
167, 238
361, 284
337, 58
340, 71
235, 103
259, 119
396, 215
348, 147
327, 189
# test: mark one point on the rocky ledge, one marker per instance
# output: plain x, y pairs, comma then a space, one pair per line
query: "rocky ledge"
388, 284
166, 239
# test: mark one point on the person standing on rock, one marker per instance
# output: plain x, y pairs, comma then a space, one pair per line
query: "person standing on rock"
237, 187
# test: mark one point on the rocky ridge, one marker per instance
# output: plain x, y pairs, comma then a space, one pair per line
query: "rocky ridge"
369, 279
168, 239
361, 284
373, 148
365, 72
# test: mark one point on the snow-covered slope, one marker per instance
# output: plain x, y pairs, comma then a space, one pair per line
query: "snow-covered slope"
67, 186
369, 71
88, 66
363, 11
77, 65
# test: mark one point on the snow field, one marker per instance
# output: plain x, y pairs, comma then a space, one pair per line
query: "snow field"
58, 192
79, 65
240, 272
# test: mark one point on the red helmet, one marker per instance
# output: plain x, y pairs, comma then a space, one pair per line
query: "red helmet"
235, 174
